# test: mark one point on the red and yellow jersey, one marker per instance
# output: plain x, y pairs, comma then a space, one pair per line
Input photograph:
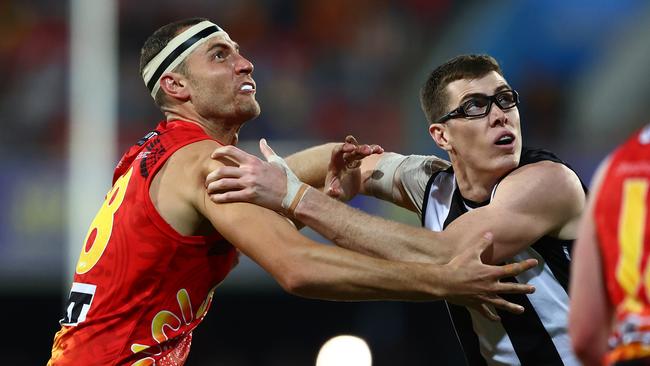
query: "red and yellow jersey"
140, 287
622, 219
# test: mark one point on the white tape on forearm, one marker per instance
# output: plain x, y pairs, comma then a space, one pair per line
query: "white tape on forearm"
293, 183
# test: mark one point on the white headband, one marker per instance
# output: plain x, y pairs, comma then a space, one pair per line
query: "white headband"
176, 51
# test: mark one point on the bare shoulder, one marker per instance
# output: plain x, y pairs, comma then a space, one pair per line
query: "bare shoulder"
545, 189
546, 178
195, 158
543, 177
192, 164
177, 188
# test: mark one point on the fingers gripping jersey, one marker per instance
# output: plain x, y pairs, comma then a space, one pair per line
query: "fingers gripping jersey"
140, 288
623, 229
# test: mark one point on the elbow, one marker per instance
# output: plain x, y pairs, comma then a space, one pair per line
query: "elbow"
293, 282
295, 279
588, 333
585, 349
297, 269
579, 346
586, 355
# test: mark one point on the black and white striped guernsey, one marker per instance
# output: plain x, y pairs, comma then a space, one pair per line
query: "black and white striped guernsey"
539, 336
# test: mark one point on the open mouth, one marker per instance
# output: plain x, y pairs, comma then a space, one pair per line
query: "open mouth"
505, 140
247, 87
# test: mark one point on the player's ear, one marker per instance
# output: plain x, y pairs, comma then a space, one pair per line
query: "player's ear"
175, 85
440, 135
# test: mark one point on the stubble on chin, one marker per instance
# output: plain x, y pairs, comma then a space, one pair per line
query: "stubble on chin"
251, 110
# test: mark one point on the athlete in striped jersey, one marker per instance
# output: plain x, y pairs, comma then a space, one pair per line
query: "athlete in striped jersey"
610, 287
530, 201
158, 247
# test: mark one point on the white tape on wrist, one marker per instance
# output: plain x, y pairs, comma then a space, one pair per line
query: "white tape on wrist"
294, 184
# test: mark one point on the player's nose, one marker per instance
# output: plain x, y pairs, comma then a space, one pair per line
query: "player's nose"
243, 65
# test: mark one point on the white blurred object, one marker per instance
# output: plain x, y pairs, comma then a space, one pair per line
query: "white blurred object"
93, 117
344, 350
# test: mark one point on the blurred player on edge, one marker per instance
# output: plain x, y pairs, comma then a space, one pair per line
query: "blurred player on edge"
610, 280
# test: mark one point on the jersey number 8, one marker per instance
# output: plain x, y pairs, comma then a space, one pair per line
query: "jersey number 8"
102, 226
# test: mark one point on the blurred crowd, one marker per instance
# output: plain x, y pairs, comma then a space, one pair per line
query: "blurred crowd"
324, 68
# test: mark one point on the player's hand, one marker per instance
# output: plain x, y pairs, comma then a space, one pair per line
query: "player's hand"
270, 184
476, 285
343, 179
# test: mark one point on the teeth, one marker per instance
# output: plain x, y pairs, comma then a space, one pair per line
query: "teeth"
504, 140
246, 87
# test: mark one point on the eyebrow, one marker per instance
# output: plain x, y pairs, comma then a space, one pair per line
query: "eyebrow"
222, 45
498, 89
502, 88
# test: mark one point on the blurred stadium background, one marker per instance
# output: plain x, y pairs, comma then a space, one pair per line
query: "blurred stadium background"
324, 69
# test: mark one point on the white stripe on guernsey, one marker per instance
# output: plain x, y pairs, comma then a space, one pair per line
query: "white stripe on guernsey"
494, 343
550, 301
439, 203
152, 66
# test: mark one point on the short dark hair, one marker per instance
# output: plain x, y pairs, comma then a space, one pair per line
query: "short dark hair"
158, 40
433, 96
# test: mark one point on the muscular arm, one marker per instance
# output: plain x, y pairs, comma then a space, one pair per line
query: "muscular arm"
522, 211
543, 198
304, 267
310, 165
590, 313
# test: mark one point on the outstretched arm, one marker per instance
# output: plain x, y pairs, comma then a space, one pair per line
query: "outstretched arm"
310, 269
350, 168
521, 212
288, 195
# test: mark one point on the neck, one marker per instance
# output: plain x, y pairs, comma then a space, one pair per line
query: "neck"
474, 184
224, 131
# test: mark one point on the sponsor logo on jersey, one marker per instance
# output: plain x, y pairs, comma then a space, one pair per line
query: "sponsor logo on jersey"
147, 137
78, 305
